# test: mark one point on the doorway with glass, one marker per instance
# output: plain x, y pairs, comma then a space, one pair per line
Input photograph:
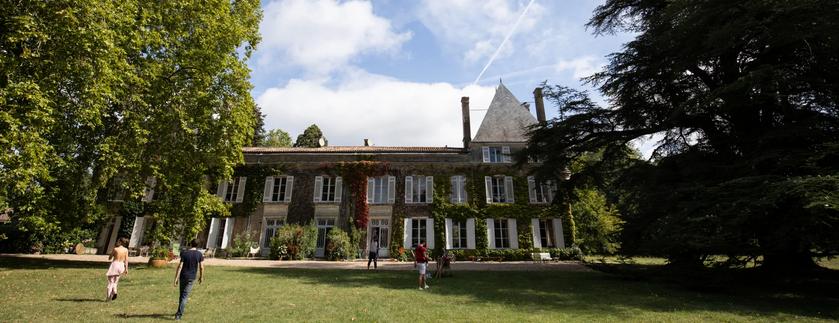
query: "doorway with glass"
379, 235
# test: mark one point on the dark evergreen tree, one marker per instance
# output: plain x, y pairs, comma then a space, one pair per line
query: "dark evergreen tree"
311, 138
743, 95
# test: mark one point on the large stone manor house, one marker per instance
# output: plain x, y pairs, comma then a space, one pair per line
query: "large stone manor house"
400, 201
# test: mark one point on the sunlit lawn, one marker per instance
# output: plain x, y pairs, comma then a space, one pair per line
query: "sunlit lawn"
36, 291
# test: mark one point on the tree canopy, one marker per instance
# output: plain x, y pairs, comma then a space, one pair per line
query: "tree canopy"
311, 138
276, 138
743, 96
94, 91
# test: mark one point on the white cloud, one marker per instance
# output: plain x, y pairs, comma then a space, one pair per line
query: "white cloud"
477, 27
390, 112
581, 66
322, 35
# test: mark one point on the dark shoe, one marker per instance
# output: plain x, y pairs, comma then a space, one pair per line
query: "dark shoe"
114, 297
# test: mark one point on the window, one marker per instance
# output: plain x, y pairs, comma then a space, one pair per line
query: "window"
419, 189
496, 154
232, 191
418, 231
380, 232
327, 189
271, 227
502, 238
278, 189
546, 234
499, 189
221, 232
458, 189
540, 192
324, 226
381, 190
458, 234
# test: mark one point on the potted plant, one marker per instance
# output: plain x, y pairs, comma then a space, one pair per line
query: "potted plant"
158, 257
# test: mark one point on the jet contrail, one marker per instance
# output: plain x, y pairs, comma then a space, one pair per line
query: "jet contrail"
492, 58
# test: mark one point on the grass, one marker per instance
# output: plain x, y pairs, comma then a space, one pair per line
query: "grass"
35, 290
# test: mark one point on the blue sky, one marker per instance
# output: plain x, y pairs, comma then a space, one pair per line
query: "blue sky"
393, 71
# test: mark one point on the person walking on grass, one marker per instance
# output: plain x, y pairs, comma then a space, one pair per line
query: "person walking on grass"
421, 263
118, 267
191, 261
374, 253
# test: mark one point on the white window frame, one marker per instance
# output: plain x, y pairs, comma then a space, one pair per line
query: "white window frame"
414, 184
460, 235
232, 191
499, 189
381, 190
329, 187
496, 154
278, 189
458, 186
501, 226
540, 192
277, 223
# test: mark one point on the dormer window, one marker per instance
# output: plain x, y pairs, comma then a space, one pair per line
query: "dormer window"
496, 154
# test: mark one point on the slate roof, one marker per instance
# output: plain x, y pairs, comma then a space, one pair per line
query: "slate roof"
506, 120
352, 149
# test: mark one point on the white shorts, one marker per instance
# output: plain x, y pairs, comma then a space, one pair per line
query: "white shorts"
421, 267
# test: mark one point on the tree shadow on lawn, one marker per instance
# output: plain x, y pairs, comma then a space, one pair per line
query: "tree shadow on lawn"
79, 300
583, 293
170, 317
13, 263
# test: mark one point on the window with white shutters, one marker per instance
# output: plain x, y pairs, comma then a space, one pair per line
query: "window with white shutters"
279, 188
328, 189
540, 192
377, 190
458, 186
233, 190
496, 154
419, 189
499, 189
419, 228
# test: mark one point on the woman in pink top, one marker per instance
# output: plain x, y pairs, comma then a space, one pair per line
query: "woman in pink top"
119, 266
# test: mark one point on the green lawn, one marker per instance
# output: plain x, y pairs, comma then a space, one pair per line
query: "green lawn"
35, 291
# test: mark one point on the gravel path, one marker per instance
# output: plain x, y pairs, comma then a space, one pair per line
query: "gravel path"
318, 264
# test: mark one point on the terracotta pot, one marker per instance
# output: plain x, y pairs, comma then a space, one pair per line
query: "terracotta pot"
158, 263
79, 249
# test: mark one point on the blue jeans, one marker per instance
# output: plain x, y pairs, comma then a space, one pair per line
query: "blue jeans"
186, 287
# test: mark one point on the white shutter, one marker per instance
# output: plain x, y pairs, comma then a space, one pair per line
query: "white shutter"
488, 185
222, 189
513, 233
491, 233
137, 232
508, 189
429, 233
429, 189
557, 227
505, 154
151, 181
406, 234
371, 189
289, 188
240, 195
409, 189
391, 189
470, 233
338, 189
212, 235
455, 198
534, 230
449, 234
485, 153
269, 189
318, 188
531, 189
228, 232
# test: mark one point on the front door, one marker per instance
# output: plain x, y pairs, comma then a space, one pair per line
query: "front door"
324, 226
380, 232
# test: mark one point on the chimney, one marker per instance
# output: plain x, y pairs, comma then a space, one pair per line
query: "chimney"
540, 105
367, 142
467, 128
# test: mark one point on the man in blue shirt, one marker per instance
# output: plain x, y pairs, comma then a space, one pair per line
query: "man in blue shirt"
191, 261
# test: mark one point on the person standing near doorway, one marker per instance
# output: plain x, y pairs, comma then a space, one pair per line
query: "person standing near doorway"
421, 263
119, 266
374, 253
192, 261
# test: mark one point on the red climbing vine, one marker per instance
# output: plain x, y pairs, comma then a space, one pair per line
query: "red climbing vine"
355, 174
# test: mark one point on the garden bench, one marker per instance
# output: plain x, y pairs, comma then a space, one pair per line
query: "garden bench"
540, 256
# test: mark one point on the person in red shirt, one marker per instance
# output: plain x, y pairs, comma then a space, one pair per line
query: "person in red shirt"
421, 262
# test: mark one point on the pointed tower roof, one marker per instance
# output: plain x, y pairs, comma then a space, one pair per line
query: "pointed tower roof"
506, 120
